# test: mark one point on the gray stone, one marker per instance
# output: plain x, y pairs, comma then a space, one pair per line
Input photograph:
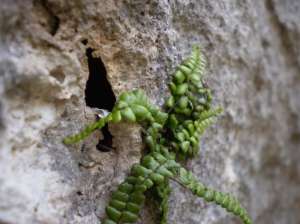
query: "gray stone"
252, 49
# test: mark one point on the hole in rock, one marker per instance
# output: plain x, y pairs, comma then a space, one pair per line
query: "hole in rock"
58, 73
105, 144
47, 17
54, 25
84, 41
99, 94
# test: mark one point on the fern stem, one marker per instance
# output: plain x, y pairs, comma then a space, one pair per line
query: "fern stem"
87, 130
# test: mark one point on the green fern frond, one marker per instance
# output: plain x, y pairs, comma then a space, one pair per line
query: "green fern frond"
128, 199
227, 201
167, 136
189, 101
133, 107
164, 191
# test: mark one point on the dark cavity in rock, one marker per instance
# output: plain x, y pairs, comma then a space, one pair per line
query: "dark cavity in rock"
99, 94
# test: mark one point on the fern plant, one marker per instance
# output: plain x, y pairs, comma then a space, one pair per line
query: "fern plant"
169, 136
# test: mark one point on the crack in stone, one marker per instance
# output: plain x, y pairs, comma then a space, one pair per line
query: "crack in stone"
50, 21
286, 46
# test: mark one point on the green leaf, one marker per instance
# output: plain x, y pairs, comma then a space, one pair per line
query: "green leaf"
181, 89
128, 114
170, 102
116, 116
129, 217
179, 76
140, 112
113, 213
183, 102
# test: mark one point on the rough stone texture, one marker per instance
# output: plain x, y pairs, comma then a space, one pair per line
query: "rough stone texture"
252, 48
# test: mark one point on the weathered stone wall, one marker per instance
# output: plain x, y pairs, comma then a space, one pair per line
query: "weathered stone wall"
252, 49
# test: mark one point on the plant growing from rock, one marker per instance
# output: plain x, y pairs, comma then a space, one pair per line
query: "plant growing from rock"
169, 137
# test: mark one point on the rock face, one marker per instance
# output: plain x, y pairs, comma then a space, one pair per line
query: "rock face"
50, 49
